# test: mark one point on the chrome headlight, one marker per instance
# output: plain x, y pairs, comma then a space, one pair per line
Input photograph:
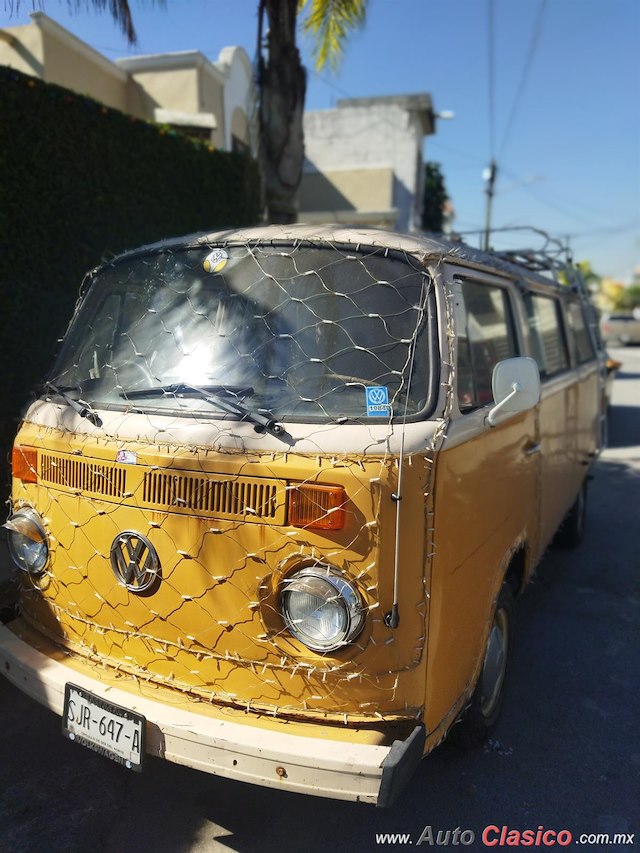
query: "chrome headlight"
27, 541
321, 609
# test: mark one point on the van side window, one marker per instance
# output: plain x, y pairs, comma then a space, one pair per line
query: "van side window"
579, 332
485, 335
547, 334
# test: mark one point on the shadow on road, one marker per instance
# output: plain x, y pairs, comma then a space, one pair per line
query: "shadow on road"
624, 426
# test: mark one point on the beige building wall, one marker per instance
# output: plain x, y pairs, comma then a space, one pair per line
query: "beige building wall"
46, 50
74, 70
359, 189
139, 102
184, 89
184, 84
240, 126
176, 89
357, 196
212, 101
21, 48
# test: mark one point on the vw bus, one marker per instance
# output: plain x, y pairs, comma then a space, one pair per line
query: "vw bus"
273, 504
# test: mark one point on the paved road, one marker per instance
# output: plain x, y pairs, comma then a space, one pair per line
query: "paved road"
566, 753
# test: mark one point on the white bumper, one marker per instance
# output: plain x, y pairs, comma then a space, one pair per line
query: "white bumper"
328, 768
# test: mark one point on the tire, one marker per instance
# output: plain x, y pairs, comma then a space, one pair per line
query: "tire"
483, 711
571, 532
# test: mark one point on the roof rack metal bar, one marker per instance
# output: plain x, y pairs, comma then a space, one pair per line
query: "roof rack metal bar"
533, 259
553, 255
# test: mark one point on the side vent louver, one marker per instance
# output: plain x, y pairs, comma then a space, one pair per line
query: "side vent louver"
242, 497
84, 476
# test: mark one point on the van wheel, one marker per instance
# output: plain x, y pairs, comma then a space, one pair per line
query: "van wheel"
571, 532
484, 709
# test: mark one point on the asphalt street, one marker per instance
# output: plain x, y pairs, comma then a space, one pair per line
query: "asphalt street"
565, 754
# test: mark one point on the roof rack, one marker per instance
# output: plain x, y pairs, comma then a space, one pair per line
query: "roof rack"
536, 260
552, 256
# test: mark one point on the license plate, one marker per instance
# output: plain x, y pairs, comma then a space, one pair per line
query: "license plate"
107, 729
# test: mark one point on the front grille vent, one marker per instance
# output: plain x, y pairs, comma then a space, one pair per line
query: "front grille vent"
242, 497
84, 476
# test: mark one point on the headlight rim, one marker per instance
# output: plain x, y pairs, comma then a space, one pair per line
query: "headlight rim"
32, 517
353, 604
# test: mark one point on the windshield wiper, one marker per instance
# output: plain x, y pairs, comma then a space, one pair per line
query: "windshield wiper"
222, 396
180, 387
79, 406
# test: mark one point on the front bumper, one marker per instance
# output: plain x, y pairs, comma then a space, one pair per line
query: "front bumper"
266, 754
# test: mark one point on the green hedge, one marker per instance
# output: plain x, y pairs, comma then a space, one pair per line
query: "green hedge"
80, 182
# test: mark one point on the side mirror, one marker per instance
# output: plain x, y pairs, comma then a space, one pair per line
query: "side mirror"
516, 386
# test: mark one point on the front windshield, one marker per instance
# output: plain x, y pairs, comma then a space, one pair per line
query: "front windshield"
302, 332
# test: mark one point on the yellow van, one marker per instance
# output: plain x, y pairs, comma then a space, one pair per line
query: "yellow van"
275, 500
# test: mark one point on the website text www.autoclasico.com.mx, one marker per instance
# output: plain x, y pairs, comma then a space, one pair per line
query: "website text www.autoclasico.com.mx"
504, 836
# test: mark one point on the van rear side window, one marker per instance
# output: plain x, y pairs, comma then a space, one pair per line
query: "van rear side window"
579, 332
485, 329
549, 347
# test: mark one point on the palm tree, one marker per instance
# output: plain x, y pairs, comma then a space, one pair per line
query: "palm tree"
282, 84
281, 81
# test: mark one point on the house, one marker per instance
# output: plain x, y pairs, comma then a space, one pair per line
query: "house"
364, 162
211, 100
208, 99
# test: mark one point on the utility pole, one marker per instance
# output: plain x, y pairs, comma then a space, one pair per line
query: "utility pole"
489, 175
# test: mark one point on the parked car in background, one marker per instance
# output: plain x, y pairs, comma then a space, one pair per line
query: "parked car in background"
620, 328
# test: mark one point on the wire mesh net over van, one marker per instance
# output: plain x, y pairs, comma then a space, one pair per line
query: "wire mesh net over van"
215, 458
300, 332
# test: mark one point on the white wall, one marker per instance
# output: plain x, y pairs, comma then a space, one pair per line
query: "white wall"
239, 91
377, 136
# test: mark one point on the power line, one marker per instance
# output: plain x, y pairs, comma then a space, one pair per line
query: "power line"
565, 208
609, 231
491, 76
327, 82
473, 158
533, 44
560, 207
477, 161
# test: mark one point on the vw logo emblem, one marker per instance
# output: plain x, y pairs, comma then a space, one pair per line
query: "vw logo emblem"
134, 561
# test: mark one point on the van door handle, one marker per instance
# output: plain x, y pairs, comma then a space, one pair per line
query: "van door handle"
531, 448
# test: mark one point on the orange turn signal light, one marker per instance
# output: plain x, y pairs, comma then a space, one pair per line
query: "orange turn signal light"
317, 507
24, 464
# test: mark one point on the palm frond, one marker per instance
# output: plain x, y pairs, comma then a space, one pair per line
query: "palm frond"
120, 12
329, 22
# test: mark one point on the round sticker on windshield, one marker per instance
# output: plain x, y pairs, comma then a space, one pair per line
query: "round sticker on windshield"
215, 261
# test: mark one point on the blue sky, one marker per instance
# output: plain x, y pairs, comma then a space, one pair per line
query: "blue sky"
568, 149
